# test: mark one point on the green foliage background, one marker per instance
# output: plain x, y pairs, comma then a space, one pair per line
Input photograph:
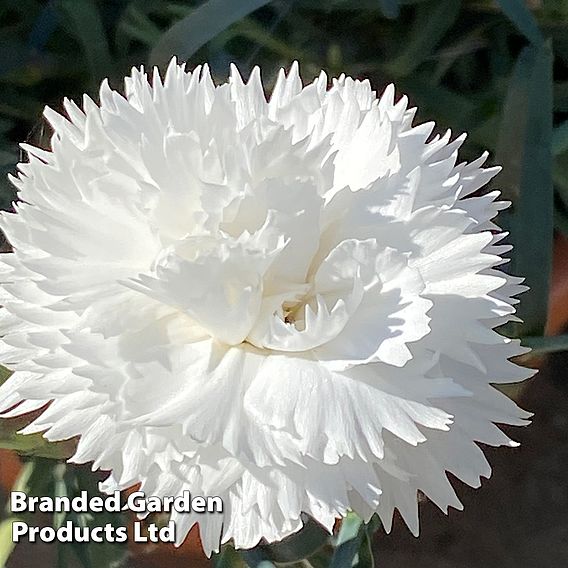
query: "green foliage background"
496, 69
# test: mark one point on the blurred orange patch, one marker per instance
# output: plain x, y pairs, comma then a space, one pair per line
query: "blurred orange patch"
10, 467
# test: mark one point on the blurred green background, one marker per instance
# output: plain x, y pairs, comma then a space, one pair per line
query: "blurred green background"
495, 69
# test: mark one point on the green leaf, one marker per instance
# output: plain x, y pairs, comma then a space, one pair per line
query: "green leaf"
23, 480
525, 151
39, 479
351, 5
332, 5
321, 558
137, 25
185, 37
6, 544
299, 545
62, 556
365, 555
437, 102
561, 184
349, 529
59, 490
31, 444
373, 525
257, 33
227, 558
348, 542
83, 553
511, 143
561, 96
87, 27
547, 344
518, 12
389, 8
353, 543
257, 558
4, 374
430, 26
560, 138
561, 222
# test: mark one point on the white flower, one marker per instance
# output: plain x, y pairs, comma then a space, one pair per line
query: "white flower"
289, 304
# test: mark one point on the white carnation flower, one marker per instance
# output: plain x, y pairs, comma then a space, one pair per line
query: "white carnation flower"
289, 304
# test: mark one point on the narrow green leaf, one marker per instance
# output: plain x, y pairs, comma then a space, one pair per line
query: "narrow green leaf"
137, 25
60, 490
7, 545
518, 12
185, 37
511, 143
525, 152
389, 8
263, 37
87, 27
23, 480
561, 182
431, 24
365, 555
547, 344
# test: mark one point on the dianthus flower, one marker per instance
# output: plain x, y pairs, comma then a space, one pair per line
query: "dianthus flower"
289, 304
